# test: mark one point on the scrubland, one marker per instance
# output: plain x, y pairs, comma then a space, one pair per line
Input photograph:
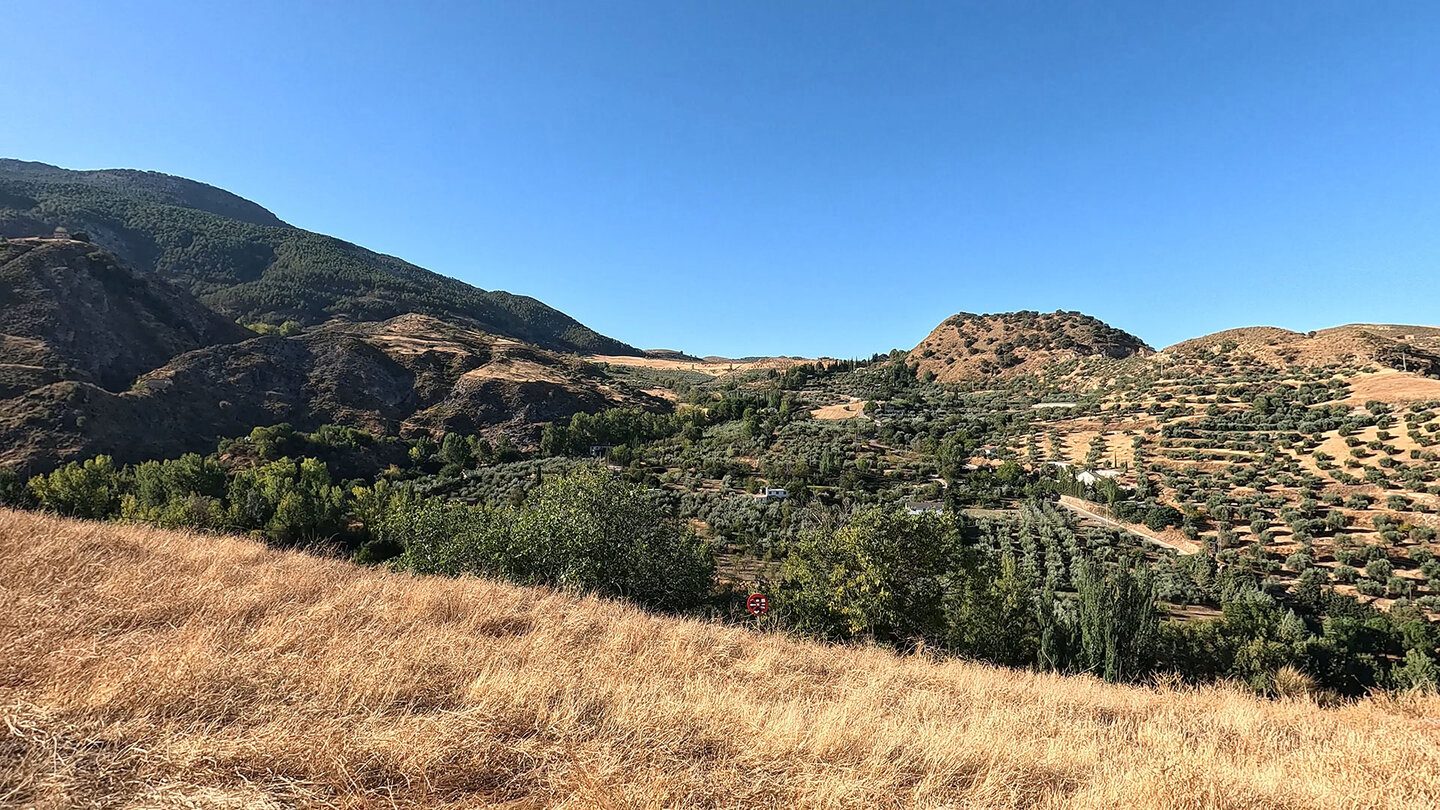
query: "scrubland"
145, 668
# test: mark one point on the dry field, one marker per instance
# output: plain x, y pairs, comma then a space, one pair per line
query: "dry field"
715, 367
142, 668
841, 410
1394, 387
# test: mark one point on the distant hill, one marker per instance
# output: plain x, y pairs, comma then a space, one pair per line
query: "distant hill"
1408, 348
973, 347
671, 354
244, 262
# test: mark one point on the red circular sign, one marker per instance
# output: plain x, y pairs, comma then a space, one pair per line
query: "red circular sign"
758, 604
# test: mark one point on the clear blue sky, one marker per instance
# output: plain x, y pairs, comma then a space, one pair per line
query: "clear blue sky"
800, 178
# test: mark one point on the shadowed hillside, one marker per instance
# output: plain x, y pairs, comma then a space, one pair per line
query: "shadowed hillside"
72, 311
408, 375
241, 260
145, 668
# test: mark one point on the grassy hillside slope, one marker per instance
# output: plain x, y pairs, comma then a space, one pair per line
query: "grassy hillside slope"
244, 262
147, 668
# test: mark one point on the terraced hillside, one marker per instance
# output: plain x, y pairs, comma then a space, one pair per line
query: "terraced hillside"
1404, 348
1305, 457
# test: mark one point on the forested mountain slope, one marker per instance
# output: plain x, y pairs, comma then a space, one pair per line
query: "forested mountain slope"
244, 262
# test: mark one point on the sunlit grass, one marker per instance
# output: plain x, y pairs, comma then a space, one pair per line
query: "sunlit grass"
149, 668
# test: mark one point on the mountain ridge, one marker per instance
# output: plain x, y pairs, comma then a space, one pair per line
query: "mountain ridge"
243, 261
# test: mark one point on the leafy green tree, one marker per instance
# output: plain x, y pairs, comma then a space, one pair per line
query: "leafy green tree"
884, 574
91, 489
992, 615
446, 537
1419, 672
593, 532
455, 453
289, 501
1379, 570
14, 492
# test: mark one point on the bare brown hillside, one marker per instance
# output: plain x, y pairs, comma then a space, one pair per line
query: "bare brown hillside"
1410, 348
143, 668
406, 375
69, 310
973, 347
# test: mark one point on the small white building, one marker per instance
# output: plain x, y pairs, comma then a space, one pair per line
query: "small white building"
772, 494
925, 507
1095, 476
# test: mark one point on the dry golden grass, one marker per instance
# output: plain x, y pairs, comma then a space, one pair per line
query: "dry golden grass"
841, 410
1395, 387
142, 668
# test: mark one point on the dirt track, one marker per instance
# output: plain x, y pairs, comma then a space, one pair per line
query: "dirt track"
1174, 544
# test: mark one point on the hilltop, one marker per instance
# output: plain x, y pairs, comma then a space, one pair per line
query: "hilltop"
967, 347
152, 668
1408, 348
244, 262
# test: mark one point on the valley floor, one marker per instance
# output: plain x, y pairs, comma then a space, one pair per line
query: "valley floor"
143, 668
